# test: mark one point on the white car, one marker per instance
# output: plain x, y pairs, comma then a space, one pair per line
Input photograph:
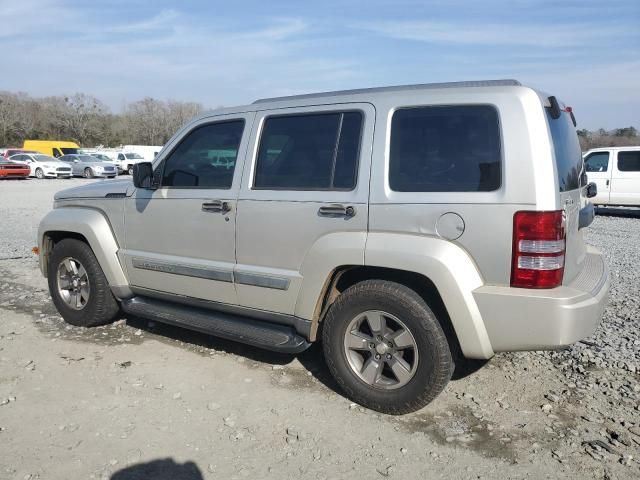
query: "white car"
616, 172
43, 166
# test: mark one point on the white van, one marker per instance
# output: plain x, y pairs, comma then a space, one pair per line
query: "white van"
616, 172
148, 152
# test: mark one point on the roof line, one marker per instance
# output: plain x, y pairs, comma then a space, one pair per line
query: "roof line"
399, 88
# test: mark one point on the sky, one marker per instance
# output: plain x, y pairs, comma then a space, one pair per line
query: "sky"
224, 53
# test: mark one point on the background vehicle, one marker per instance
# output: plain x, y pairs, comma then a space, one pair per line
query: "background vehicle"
8, 152
13, 170
42, 166
54, 148
88, 167
616, 172
403, 226
124, 160
148, 152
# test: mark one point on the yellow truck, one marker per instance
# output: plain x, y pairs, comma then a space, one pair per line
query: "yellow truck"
54, 148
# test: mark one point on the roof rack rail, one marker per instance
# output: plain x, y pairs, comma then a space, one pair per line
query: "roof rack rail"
399, 88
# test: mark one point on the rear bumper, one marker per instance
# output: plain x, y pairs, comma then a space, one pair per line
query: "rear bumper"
528, 319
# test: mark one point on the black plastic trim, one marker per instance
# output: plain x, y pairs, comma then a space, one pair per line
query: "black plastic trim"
270, 336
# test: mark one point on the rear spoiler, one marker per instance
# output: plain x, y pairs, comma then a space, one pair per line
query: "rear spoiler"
555, 110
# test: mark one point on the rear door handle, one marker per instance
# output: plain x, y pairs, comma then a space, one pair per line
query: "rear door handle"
337, 211
216, 206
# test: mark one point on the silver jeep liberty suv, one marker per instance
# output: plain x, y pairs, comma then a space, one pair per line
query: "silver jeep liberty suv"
403, 227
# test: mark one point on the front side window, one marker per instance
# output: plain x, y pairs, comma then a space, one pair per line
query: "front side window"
195, 161
309, 152
597, 162
120, 156
629, 161
445, 149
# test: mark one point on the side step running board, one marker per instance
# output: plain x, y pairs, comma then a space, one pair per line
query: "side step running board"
270, 336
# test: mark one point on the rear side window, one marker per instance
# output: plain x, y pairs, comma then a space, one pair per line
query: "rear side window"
309, 152
629, 161
597, 162
194, 163
445, 149
567, 151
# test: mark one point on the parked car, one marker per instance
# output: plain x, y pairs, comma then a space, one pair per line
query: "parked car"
88, 166
616, 172
9, 152
54, 148
404, 227
42, 166
13, 170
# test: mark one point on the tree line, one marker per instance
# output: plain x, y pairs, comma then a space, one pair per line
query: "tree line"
619, 137
89, 122
86, 120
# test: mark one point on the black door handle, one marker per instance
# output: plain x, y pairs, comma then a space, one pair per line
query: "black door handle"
216, 206
607, 183
337, 211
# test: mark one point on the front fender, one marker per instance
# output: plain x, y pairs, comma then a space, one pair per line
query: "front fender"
450, 269
95, 228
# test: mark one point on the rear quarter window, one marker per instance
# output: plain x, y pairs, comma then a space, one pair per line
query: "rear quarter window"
629, 161
567, 151
445, 149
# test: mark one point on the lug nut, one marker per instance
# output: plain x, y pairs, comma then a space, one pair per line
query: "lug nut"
372, 345
379, 338
388, 356
390, 345
377, 356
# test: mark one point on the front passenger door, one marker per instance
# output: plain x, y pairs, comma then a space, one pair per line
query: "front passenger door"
180, 238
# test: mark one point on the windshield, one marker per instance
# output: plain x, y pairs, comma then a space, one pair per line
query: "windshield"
67, 151
104, 158
567, 151
88, 158
133, 156
44, 158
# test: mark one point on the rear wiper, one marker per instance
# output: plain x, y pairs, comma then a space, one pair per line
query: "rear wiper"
556, 111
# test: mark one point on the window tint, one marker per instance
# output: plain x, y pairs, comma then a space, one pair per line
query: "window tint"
196, 161
120, 156
567, 151
629, 161
309, 152
597, 162
445, 149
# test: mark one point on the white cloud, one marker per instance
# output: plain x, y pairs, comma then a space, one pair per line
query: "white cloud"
494, 34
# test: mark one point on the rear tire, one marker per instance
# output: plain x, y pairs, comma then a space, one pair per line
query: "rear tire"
96, 304
421, 357
130, 170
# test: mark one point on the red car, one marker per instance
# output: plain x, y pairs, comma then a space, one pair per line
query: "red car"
14, 151
13, 170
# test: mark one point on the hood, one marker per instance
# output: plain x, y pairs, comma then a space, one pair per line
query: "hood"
54, 164
98, 189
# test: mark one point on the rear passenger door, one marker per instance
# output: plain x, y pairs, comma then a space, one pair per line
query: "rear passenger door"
625, 179
303, 202
598, 168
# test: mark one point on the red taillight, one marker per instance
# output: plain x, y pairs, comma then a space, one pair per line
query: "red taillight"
538, 249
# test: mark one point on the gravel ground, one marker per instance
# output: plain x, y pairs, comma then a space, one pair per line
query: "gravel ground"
139, 400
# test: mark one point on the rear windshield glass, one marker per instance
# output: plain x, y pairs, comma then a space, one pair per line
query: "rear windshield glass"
133, 156
567, 150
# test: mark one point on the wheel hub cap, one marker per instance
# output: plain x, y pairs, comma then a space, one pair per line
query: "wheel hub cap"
381, 350
73, 283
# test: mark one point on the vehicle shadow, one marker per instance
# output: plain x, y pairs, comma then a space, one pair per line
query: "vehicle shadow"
161, 469
628, 212
311, 359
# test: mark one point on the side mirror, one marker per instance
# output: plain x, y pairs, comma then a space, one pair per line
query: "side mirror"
143, 175
592, 190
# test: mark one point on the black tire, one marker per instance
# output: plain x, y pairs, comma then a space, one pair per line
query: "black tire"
130, 170
88, 173
39, 173
101, 306
434, 367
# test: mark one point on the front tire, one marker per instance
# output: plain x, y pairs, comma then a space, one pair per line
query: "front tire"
78, 286
39, 173
385, 347
130, 170
88, 173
